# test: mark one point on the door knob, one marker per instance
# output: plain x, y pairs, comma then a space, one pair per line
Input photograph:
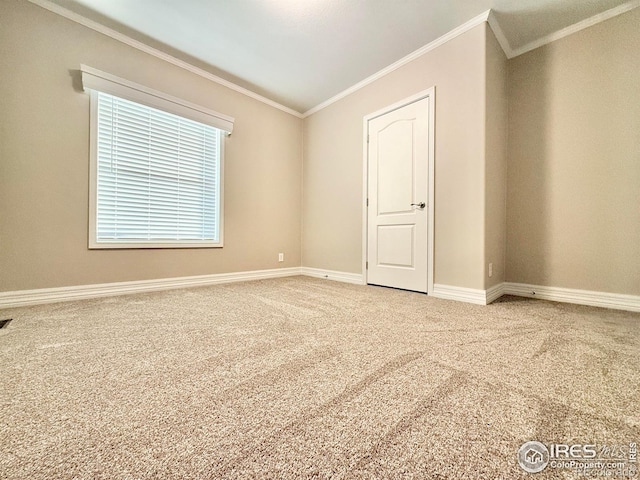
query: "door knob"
419, 205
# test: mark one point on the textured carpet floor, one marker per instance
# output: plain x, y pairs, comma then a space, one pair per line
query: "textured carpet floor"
306, 378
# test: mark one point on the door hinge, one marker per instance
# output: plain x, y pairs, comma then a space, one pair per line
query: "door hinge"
367, 265
367, 138
367, 202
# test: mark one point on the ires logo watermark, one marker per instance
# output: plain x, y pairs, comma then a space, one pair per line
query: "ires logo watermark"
586, 460
533, 457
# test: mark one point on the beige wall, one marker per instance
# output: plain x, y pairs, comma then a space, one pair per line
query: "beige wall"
572, 177
573, 205
44, 161
333, 168
496, 161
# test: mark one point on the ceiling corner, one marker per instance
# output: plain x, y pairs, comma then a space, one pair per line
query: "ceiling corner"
492, 20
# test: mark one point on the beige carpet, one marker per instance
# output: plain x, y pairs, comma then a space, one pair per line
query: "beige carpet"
307, 378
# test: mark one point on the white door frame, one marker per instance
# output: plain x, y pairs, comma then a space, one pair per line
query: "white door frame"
431, 94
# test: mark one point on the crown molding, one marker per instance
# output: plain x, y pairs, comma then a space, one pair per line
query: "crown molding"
109, 32
487, 16
500, 36
490, 18
576, 27
465, 27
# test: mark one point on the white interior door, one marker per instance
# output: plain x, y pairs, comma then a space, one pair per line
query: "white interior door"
398, 165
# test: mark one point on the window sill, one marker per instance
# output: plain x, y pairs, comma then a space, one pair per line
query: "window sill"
153, 245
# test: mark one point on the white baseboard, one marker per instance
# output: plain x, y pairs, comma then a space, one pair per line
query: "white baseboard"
62, 294
469, 295
479, 297
356, 278
569, 295
494, 293
22, 298
462, 294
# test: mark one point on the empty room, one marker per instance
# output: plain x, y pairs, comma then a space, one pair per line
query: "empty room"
332, 239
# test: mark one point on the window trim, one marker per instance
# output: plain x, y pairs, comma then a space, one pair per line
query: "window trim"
135, 94
94, 79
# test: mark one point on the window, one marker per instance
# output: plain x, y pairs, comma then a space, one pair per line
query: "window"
156, 175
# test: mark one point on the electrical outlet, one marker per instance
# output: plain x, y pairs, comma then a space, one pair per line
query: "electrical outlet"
491, 269
281, 257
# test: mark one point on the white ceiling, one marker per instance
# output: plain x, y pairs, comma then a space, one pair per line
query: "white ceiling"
300, 53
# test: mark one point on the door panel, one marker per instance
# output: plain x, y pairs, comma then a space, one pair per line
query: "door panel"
398, 155
395, 167
396, 245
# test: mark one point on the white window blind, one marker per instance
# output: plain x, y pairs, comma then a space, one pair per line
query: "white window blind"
157, 176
